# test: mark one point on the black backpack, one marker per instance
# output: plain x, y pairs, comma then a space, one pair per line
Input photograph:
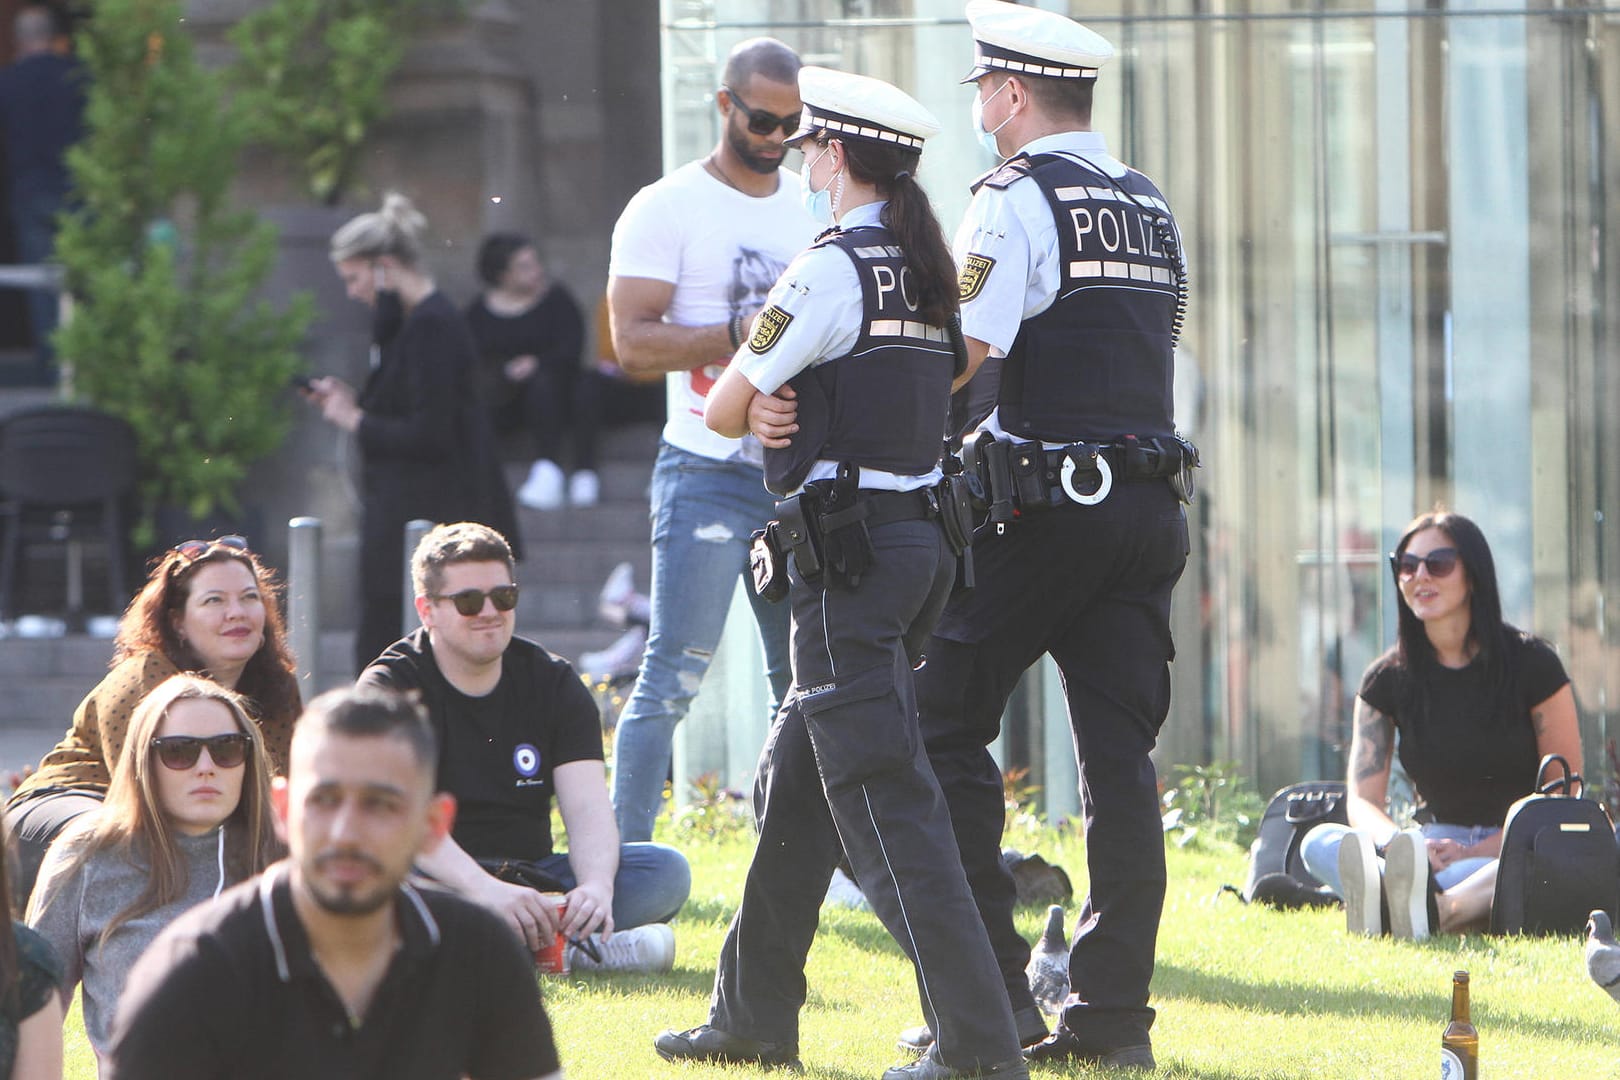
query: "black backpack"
1294, 811
1559, 861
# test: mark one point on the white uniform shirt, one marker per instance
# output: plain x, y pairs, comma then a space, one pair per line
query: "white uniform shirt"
821, 294
1014, 228
722, 250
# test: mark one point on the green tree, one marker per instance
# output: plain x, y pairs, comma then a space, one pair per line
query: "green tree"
168, 329
312, 78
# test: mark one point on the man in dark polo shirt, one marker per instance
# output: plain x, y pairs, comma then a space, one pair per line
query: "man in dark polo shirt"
516, 727
330, 964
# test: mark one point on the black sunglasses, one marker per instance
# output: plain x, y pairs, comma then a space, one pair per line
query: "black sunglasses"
761, 122
192, 550
1441, 562
470, 602
182, 751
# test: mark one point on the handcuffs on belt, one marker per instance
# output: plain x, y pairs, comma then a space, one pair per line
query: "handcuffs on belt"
1019, 477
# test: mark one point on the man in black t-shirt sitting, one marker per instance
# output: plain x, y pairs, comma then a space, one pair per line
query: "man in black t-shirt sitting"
517, 726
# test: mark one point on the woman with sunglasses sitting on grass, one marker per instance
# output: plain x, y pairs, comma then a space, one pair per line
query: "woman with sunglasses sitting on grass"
1477, 704
208, 606
187, 815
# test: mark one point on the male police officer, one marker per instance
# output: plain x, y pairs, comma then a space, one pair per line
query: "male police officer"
1070, 281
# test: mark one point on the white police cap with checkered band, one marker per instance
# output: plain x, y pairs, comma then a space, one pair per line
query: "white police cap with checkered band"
1029, 41
855, 106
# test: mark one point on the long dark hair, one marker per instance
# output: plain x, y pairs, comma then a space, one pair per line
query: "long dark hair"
1486, 631
892, 170
268, 681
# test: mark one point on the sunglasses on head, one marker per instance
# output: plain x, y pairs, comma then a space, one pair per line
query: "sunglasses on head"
470, 602
761, 122
182, 751
192, 550
1441, 562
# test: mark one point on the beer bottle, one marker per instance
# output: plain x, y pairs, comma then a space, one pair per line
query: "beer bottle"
1459, 1045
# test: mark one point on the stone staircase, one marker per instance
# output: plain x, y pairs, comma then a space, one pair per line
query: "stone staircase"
569, 554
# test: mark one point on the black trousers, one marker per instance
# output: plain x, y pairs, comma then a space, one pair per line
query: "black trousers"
844, 770
1091, 586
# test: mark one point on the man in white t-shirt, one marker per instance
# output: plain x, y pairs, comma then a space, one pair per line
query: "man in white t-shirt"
693, 257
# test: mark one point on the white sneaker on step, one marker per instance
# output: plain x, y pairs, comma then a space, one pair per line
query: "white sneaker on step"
584, 489
543, 490
649, 948
619, 659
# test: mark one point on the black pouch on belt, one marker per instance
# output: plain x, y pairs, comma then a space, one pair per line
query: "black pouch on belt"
767, 561
797, 533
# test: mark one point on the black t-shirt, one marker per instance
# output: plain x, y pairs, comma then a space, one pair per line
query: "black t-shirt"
231, 991
497, 752
1472, 751
552, 331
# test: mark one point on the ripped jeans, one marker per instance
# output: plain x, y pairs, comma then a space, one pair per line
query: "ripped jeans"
703, 512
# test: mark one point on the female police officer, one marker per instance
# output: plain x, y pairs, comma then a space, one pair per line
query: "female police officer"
855, 330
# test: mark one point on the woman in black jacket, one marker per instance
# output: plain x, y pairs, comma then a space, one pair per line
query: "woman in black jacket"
421, 426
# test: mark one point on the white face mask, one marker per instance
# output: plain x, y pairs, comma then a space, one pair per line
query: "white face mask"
987, 139
818, 203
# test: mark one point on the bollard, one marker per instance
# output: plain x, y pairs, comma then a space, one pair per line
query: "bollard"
414, 531
304, 600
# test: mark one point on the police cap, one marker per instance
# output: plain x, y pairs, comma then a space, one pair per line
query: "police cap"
857, 107
1029, 41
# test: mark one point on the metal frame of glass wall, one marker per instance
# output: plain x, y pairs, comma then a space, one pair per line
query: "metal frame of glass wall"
1397, 232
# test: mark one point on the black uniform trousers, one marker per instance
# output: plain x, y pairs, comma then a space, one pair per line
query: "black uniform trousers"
844, 770
1091, 585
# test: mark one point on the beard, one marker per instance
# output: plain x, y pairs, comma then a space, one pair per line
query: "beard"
347, 899
737, 139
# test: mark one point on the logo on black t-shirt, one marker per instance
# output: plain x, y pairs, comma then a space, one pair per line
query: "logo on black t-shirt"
526, 760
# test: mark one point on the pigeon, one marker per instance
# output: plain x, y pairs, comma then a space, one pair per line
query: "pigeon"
1603, 953
1048, 968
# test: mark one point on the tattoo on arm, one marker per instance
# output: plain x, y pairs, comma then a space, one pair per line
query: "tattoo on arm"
1374, 732
1538, 722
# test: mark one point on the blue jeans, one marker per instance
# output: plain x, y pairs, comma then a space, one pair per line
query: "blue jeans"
1320, 852
652, 883
703, 512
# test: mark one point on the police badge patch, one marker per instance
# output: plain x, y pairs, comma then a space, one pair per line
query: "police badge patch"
975, 269
768, 329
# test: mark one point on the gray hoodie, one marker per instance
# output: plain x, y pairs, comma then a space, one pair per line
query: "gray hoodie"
70, 909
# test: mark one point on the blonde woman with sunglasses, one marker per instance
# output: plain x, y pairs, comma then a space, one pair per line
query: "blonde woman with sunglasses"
208, 606
1477, 704
187, 814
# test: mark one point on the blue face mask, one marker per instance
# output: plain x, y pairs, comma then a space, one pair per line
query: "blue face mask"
818, 203
987, 139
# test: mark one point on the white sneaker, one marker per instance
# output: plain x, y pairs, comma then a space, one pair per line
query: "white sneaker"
649, 948
1406, 882
1359, 876
584, 488
621, 658
613, 602
843, 892
543, 490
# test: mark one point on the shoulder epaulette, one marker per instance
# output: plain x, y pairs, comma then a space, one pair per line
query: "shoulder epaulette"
1004, 175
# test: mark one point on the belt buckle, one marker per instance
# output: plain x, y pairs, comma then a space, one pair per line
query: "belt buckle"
1066, 476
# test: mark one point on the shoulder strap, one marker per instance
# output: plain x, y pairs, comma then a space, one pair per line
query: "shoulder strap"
1006, 174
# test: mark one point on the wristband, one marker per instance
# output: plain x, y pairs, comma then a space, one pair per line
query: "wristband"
736, 330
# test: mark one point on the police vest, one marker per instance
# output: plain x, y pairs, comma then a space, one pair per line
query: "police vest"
883, 404
1098, 362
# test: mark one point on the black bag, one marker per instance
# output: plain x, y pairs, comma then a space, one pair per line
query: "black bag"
1294, 811
1559, 861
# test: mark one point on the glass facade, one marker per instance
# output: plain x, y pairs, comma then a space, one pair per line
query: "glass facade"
1398, 241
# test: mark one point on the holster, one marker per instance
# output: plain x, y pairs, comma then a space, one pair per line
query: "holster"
840, 525
767, 562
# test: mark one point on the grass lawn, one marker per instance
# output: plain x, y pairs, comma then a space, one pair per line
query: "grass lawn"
1242, 993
